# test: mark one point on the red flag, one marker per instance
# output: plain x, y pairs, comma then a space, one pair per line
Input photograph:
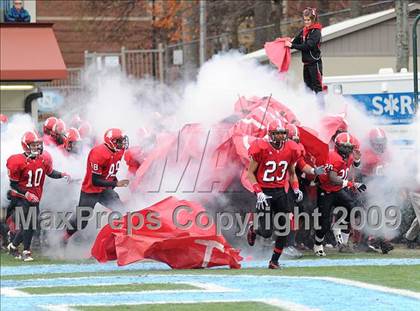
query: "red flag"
313, 145
330, 124
168, 242
278, 53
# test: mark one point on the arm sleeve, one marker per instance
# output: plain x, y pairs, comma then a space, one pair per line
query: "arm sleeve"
55, 174
98, 181
15, 186
9, 17
298, 38
312, 41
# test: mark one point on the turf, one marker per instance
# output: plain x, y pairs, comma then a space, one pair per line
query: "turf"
217, 306
106, 288
397, 276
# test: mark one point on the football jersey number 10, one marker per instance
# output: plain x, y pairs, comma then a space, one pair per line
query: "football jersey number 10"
272, 167
37, 178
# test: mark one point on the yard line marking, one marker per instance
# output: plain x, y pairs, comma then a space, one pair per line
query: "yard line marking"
12, 292
211, 287
396, 291
290, 306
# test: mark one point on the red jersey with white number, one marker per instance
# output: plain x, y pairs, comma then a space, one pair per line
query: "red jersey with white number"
373, 163
104, 162
29, 172
273, 163
339, 165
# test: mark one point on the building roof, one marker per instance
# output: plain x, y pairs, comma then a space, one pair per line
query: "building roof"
343, 28
30, 52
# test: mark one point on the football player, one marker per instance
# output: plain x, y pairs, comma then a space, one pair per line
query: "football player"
100, 180
47, 129
375, 158
334, 186
58, 132
306, 172
27, 173
272, 166
72, 141
375, 155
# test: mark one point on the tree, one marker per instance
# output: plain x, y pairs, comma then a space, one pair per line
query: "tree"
401, 11
262, 12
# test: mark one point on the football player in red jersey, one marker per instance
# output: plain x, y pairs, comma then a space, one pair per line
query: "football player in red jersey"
271, 168
27, 173
334, 187
375, 158
47, 129
100, 180
306, 172
72, 141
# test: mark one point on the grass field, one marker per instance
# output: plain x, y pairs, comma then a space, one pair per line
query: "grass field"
162, 284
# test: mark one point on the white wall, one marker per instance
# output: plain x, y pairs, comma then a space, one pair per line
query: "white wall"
30, 5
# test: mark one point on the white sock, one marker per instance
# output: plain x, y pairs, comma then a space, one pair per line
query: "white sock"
345, 237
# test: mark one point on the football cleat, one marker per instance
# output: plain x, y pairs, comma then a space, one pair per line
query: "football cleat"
251, 235
386, 247
13, 251
319, 251
338, 236
274, 265
27, 256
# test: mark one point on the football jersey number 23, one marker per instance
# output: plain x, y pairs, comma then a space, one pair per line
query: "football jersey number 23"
271, 167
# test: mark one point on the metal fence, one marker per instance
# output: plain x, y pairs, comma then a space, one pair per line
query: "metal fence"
73, 81
135, 63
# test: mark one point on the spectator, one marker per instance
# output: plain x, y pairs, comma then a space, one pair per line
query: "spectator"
17, 14
308, 41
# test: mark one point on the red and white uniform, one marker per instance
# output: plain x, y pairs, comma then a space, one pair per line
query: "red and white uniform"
29, 172
273, 163
337, 164
373, 163
104, 162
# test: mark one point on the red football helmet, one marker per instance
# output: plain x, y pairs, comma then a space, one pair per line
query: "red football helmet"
115, 140
72, 140
48, 125
377, 139
32, 144
3, 119
59, 128
85, 129
277, 133
344, 144
292, 132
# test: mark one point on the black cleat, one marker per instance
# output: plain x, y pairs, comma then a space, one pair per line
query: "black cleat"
251, 235
274, 265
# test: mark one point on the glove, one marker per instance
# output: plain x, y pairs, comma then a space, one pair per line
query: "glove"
298, 194
361, 187
30, 197
262, 202
320, 170
66, 177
